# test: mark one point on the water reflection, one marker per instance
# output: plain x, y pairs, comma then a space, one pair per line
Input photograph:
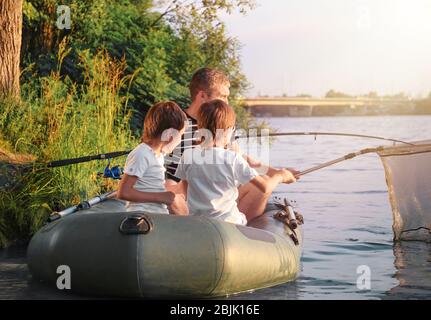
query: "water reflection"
17, 283
412, 262
287, 291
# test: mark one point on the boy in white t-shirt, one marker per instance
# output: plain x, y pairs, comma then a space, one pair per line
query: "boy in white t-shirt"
212, 174
143, 184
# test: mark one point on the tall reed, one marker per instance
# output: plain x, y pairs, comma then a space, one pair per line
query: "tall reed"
58, 119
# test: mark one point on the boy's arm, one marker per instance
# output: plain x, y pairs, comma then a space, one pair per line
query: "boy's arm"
274, 178
128, 193
243, 173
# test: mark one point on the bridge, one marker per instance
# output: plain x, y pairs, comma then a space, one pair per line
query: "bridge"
307, 107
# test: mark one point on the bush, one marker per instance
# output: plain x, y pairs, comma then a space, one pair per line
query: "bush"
165, 51
61, 120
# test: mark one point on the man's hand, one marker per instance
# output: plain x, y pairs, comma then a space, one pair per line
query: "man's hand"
179, 206
167, 197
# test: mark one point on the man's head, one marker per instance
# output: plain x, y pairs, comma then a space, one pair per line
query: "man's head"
209, 84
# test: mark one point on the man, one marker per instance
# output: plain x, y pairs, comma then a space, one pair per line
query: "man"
206, 85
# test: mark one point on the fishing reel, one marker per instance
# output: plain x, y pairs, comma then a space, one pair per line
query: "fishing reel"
288, 214
111, 173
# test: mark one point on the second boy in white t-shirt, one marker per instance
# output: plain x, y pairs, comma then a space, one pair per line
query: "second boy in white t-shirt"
212, 174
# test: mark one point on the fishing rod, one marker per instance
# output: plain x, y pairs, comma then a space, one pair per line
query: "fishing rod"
112, 155
83, 205
103, 156
110, 195
341, 159
339, 134
89, 203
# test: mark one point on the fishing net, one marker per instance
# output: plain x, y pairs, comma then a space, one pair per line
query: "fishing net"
408, 176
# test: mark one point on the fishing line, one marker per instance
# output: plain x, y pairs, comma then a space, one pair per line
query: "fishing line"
339, 134
112, 155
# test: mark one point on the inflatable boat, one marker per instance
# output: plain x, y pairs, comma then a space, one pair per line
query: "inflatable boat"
112, 253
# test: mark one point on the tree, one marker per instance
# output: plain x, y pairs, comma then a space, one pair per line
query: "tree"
335, 94
372, 95
162, 45
10, 46
399, 96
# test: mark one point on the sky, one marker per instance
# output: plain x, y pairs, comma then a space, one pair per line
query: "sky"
353, 46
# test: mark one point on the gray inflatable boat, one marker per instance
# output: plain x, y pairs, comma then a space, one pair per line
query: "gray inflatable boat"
110, 252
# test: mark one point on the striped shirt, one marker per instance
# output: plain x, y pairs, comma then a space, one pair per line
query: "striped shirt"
188, 140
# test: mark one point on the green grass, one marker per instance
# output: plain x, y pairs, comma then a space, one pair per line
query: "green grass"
58, 119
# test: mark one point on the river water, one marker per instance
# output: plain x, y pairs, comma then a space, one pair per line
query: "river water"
348, 219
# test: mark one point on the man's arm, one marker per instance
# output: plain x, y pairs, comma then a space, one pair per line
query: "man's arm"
179, 205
